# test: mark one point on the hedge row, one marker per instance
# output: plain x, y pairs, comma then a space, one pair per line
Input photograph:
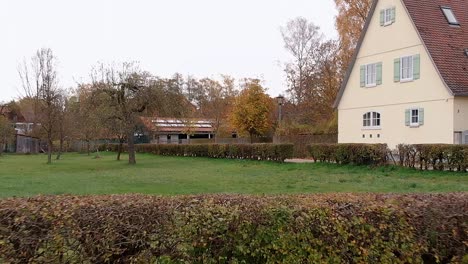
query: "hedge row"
358, 154
434, 156
345, 228
273, 152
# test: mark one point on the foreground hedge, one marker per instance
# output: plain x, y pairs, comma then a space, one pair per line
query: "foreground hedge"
274, 152
434, 156
341, 228
358, 154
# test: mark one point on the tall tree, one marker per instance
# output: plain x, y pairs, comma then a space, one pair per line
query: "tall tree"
40, 84
350, 21
88, 109
127, 94
301, 39
216, 99
252, 110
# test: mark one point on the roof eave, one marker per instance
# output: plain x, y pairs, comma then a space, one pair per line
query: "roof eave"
356, 52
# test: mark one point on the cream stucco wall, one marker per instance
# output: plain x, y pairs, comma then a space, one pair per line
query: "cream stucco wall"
461, 114
384, 44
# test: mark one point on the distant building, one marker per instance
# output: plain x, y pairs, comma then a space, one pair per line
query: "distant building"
177, 130
23, 143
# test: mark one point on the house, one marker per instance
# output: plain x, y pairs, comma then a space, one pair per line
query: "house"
23, 142
408, 79
177, 130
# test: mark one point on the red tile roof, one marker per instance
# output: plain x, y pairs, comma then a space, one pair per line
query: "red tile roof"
446, 43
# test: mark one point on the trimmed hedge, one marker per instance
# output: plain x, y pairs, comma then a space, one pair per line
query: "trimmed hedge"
273, 152
434, 156
331, 228
358, 154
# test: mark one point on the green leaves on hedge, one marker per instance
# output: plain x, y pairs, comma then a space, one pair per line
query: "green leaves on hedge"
344, 228
357, 154
272, 152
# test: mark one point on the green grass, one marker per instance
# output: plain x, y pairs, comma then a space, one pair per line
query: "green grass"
82, 174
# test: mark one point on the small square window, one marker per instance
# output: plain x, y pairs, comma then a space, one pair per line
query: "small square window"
450, 16
378, 135
370, 135
363, 136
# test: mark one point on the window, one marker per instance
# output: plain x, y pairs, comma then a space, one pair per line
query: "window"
450, 16
414, 117
366, 120
371, 120
375, 119
371, 75
406, 68
388, 17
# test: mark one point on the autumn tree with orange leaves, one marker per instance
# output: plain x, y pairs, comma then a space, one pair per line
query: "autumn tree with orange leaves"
352, 15
252, 110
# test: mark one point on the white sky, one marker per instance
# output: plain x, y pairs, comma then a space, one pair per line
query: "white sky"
203, 38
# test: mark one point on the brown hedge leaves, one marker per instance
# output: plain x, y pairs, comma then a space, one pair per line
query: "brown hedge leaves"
331, 228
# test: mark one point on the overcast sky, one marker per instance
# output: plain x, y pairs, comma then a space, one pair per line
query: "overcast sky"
203, 38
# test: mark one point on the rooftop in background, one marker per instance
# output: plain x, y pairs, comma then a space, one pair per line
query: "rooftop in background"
178, 125
446, 38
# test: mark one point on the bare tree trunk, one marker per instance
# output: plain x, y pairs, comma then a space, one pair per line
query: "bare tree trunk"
59, 154
87, 146
131, 148
251, 138
119, 150
49, 150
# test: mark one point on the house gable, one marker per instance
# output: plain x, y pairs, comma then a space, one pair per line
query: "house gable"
385, 45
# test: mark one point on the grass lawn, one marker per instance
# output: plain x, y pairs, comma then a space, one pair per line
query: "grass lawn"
81, 174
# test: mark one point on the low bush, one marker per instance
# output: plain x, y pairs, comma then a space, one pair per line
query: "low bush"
434, 156
273, 152
358, 154
345, 228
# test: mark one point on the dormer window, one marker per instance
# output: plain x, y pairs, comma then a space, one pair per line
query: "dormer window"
450, 16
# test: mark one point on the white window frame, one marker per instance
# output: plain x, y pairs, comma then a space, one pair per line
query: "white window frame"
373, 117
373, 70
388, 16
450, 16
410, 69
414, 124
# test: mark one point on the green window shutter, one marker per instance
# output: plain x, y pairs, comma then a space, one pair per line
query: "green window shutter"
363, 76
396, 70
416, 67
379, 73
382, 17
393, 14
421, 116
407, 117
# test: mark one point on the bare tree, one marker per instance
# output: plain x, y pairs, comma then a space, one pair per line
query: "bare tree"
40, 84
301, 39
127, 96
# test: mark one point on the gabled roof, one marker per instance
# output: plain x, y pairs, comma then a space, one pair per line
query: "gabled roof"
445, 43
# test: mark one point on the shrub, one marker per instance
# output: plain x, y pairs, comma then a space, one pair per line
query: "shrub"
365, 228
434, 156
273, 152
358, 154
